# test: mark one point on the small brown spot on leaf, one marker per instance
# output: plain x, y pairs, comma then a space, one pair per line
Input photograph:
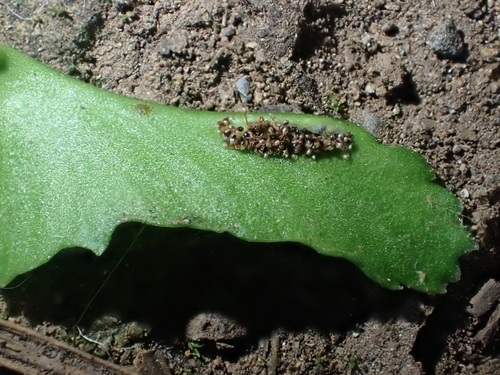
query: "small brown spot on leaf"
143, 109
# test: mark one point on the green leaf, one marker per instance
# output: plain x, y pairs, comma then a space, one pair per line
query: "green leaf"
76, 161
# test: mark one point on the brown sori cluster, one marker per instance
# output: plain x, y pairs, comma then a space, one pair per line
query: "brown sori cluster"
271, 138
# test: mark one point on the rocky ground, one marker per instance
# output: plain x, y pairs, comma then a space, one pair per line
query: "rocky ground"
421, 74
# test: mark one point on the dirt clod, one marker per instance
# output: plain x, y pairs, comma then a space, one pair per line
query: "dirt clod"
485, 299
214, 327
447, 42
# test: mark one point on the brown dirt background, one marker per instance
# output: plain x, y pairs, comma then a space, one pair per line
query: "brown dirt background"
370, 62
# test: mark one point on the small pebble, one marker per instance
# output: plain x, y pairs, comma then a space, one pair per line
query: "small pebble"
447, 42
251, 45
123, 5
229, 32
371, 122
369, 90
396, 110
369, 43
243, 88
174, 44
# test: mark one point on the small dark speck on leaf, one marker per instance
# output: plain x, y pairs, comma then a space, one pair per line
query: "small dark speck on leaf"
143, 109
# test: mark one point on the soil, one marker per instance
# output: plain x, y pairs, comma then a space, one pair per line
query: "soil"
424, 75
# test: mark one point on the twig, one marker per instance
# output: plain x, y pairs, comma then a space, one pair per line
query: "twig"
24, 351
14, 13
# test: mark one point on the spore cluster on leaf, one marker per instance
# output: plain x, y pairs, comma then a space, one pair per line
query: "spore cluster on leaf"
270, 138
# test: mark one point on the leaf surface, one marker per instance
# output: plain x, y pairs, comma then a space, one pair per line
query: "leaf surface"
76, 161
